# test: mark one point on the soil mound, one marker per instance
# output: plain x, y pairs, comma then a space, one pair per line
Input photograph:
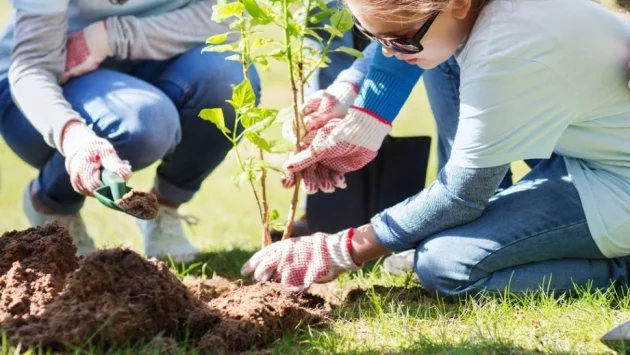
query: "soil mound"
143, 205
116, 297
254, 316
33, 266
209, 289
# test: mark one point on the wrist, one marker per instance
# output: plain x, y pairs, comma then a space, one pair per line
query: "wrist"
365, 246
340, 250
73, 134
364, 128
97, 39
344, 92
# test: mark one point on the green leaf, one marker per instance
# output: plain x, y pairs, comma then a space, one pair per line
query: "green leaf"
243, 95
257, 12
258, 141
217, 39
333, 31
268, 165
280, 145
342, 20
313, 34
319, 17
353, 52
276, 146
214, 115
234, 57
273, 215
262, 60
261, 125
240, 179
258, 43
294, 28
221, 48
230, 10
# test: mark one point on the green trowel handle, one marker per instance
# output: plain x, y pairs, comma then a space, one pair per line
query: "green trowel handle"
115, 182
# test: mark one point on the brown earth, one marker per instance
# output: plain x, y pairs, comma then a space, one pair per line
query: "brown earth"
116, 297
33, 266
143, 205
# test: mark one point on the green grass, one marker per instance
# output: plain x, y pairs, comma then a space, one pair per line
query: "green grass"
228, 233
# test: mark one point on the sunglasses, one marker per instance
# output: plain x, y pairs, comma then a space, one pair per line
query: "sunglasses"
400, 44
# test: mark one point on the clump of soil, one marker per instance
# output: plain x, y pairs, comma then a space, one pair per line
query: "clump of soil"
116, 297
209, 289
254, 316
143, 205
33, 266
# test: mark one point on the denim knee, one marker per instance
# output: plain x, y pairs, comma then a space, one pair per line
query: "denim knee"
204, 80
149, 135
440, 268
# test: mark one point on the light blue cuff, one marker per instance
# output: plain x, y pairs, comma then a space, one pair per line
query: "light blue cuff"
387, 85
41, 6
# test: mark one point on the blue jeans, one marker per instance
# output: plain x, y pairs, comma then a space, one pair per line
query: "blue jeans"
533, 234
149, 111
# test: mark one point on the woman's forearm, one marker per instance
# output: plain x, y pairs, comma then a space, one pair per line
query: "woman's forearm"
37, 62
458, 196
365, 247
162, 36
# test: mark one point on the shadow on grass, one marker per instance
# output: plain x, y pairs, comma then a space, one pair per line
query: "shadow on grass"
325, 344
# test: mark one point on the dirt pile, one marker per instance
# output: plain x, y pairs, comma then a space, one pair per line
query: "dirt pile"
116, 297
254, 316
33, 266
143, 205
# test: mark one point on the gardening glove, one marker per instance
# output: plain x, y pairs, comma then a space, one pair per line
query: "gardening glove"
316, 178
300, 262
85, 154
321, 107
86, 49
340, 146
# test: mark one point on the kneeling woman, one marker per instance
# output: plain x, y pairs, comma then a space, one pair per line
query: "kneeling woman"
141, 105
534, 85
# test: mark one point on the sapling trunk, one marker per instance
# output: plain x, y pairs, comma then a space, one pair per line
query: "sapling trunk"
255, 120
297, 96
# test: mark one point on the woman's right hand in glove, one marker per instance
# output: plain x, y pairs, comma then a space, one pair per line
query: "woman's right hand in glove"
85, 154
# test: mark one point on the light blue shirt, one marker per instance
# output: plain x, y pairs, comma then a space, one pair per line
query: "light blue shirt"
80, 14
551, 76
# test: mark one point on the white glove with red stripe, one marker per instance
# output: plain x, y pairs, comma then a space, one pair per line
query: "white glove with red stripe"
300, 262
339, 147
85, 154
86, 50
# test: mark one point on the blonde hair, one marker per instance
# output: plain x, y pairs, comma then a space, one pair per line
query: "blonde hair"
404, 10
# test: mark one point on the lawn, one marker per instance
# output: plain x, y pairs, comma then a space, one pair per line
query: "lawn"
400, 322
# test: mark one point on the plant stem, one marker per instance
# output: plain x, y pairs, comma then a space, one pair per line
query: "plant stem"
263, 204
288, 229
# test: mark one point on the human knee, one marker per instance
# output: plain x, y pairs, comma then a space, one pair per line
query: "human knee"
150, 134
440, 267
212, 79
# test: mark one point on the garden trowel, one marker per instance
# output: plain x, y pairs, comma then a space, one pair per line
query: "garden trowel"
113, 189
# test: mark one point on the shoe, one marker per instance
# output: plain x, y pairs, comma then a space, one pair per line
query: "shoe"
300, 229
72, 222
165, 235
400, 263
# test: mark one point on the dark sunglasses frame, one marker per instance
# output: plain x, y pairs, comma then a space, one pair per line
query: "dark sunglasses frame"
401, 44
